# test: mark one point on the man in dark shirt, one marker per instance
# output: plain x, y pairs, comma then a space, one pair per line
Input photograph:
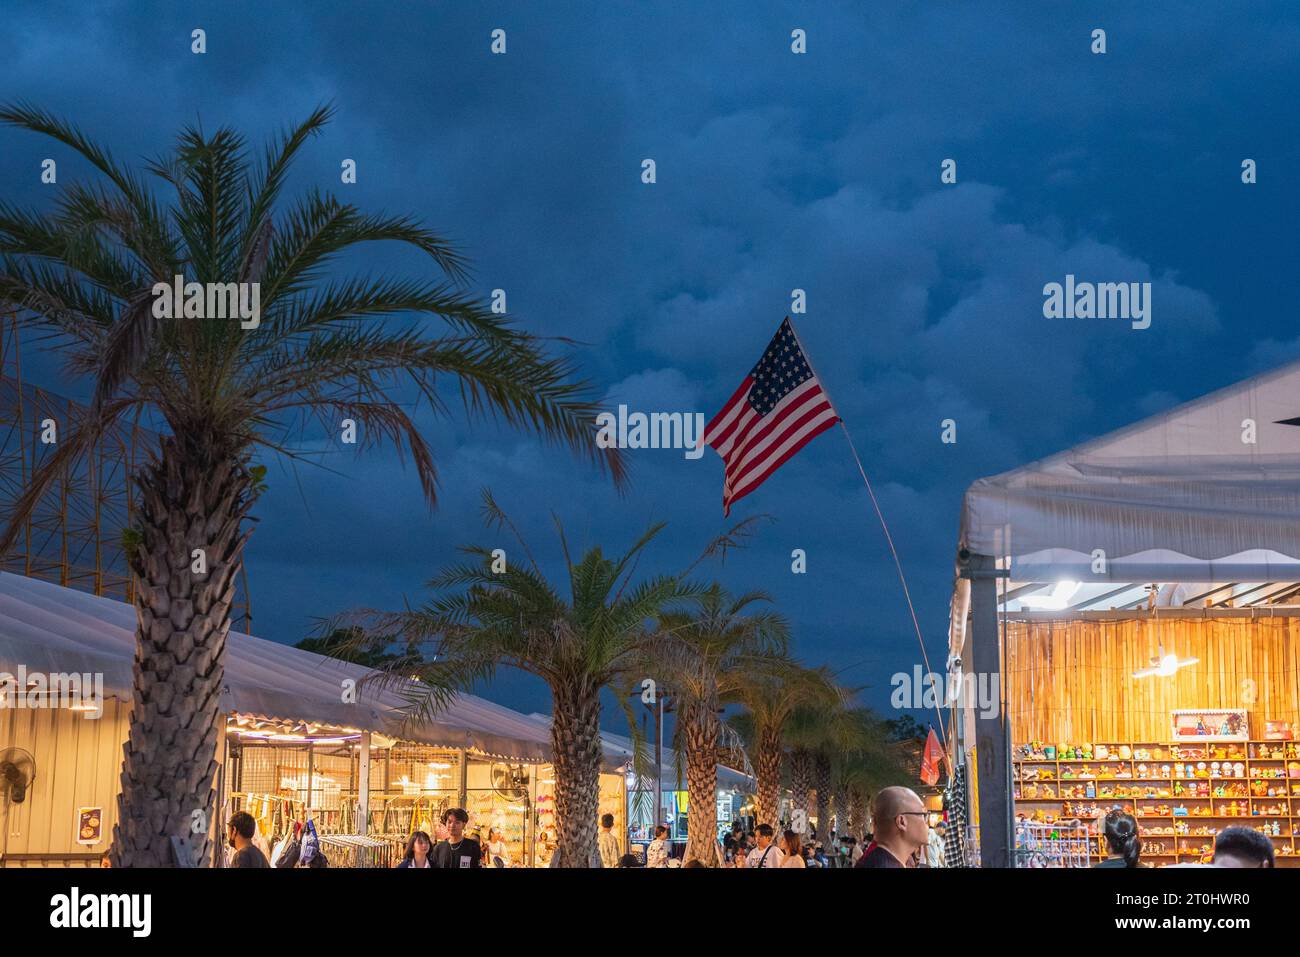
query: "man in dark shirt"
900, 824
239, 831
458, 850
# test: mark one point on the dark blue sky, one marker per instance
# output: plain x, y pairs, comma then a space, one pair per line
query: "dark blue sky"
775, 171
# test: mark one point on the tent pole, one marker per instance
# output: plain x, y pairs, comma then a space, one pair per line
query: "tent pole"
363, 786
992, 734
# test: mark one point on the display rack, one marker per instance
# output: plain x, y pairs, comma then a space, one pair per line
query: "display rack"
1179, 812
1061, 844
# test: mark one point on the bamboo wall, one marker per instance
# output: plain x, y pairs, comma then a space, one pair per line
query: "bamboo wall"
1071, 681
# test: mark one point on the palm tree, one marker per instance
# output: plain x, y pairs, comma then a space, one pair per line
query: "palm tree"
707, 654
818, 734
850, 777
594, 633
769, 700
85, 273
801, 778
866, 761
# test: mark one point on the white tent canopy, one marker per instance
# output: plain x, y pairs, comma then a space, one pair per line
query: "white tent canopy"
1208, 492
51, 629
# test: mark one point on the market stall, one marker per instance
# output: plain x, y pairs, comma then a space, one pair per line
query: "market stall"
1136, 601
296, 748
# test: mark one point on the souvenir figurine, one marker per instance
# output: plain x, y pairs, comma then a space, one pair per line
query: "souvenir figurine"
1102, 752
1125, 752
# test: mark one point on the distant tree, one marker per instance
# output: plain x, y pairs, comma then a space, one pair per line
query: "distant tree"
905, 728
350, 644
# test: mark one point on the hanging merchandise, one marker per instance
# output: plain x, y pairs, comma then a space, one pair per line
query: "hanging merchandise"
954, 799
355, 850
310, 845
288, 855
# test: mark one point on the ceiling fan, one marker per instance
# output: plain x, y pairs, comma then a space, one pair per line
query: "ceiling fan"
1164, 664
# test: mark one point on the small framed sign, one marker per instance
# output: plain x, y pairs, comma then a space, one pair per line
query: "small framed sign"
1211, 724
90, 825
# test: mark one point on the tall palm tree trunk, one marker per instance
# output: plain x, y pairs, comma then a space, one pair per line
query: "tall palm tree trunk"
701, 726
822, 781
193, 496
801, 778
840, 808
858, 814
575, 745
769, 775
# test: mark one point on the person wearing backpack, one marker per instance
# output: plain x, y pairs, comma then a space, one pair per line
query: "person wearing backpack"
765, 854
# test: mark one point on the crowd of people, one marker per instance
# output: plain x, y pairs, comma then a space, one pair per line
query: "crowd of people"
900, 836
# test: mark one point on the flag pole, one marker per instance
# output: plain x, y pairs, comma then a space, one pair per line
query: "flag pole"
898, 565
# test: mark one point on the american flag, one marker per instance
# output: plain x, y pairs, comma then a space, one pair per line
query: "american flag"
778, 409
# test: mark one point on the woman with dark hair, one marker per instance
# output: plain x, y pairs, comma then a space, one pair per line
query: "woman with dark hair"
1121, 833
417, 851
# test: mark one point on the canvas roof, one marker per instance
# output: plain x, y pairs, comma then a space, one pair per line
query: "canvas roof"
52, 629
1207, 492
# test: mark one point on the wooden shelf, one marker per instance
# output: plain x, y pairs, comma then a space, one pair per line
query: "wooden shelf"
1290, 819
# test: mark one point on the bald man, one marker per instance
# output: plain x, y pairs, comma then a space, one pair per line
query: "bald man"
901, 825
